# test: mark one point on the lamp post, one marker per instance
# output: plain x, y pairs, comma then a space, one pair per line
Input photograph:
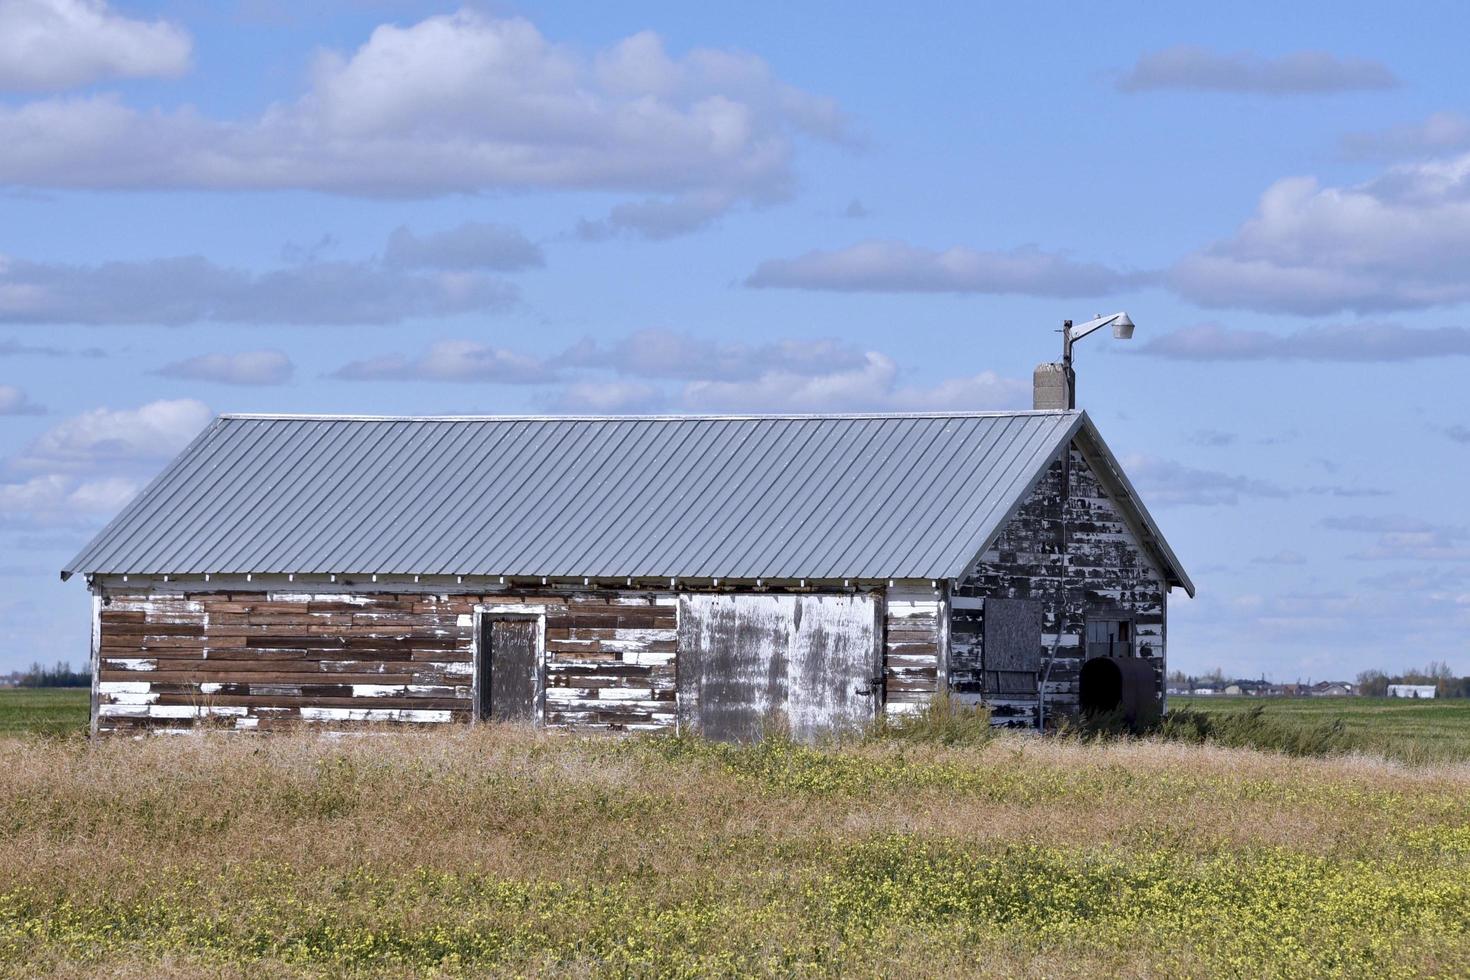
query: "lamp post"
1122, 329
1046, 398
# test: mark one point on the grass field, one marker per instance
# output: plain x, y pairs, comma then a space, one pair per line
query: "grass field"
43, 711
1401, 728
485, 851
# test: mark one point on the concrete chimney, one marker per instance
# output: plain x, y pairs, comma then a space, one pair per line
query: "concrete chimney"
1049, 389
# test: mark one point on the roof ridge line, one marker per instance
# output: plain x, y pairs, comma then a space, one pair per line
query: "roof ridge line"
693, 417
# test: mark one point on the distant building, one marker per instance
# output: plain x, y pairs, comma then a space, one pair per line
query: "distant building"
1411, 690
1332, 689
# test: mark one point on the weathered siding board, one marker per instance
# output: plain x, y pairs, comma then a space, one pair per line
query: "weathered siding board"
610, 662
1106, 569
914, 642
267, 659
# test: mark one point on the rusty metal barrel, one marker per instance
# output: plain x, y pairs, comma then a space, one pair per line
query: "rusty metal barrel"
1127, 683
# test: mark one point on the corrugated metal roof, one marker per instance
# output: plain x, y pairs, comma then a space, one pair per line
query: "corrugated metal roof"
776, 497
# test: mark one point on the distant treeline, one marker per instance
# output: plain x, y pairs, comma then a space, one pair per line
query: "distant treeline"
1374, 683
60, 675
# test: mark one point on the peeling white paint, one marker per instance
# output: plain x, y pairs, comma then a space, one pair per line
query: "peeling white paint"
625, 693
650, 658
123, 710
130, 698
808, 658
377, 690
124, 687
352, 598
193, 711
170, 711
570, 694
453, 668
376, 714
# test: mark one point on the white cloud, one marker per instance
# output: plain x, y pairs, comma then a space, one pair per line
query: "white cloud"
89, 465
657, 218
192, 289
472, 245
255, 367
890, 266
683, 356
61, 499
14, 401
1378, 523
645, 354
1341, 491
1401, 538
10, 347
1399, 241
452, 360
874, 386
1356, 342
454, 103
115, 439
609, 397
1283, 557
710, 376
58, 44
1441, 132
1213, 438
1195, 68
1165, 483
1439, 544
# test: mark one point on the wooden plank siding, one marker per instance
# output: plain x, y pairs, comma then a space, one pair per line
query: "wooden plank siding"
1106, 572
266, 659
913, 646
271, 659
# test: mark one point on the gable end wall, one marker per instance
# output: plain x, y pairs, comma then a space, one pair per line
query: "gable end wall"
1106, 569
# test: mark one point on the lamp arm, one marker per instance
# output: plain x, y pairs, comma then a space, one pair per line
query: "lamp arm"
1083, 329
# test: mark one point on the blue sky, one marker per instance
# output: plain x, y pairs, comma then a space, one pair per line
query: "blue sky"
420, 208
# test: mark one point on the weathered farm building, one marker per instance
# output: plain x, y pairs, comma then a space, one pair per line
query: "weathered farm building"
629, 573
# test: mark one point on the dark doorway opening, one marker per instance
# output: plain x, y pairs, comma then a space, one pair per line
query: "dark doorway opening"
510, 670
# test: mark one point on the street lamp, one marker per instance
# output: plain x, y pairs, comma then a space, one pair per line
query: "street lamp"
1122, 329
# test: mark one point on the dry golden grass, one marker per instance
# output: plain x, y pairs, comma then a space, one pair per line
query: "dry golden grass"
492, 851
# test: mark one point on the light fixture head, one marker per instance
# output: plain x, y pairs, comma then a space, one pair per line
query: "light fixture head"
1123, 327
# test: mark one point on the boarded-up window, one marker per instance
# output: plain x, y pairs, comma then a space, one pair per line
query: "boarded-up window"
747, 661
1012, 647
